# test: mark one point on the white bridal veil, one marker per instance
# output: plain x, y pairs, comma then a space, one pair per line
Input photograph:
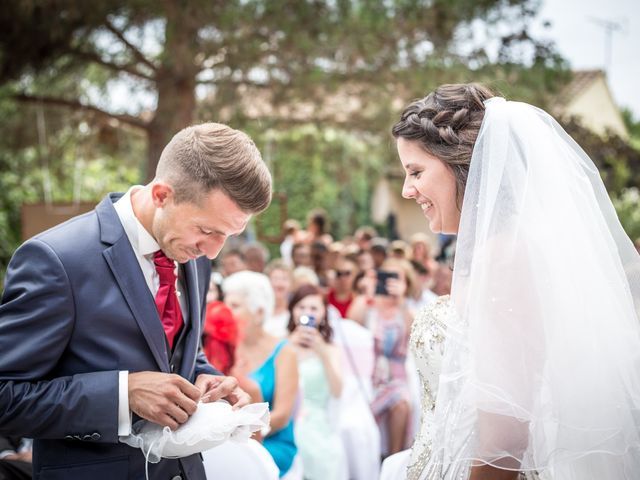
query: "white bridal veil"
542, 363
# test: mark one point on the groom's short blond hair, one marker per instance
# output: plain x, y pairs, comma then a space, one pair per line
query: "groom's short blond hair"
210, 156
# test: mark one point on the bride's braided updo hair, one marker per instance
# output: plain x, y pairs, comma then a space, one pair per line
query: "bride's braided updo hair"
446, 124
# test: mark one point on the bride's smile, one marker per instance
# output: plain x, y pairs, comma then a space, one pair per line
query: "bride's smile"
431, 184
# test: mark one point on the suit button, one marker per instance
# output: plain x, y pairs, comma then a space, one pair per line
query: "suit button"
87, 438
95, 436
177, 477
173, 369
68, 437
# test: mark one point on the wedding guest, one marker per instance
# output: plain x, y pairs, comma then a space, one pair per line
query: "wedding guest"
301, 255
319, 262
281, 276
265, 359
385, 313
365, 260
220, 336
232, 261
304, 276
341, 294
421, 251
320, 382
364, 236
422, 294
399, 249
317, 227
379, 251
334, 252
291, 235
255, 256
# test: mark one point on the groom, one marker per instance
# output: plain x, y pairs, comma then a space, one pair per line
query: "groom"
100, 317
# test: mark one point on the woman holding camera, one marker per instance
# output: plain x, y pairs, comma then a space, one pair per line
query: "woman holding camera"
321, 381
384, 311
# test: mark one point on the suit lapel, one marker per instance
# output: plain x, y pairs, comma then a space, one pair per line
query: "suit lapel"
126, 270
124, 266
192, 286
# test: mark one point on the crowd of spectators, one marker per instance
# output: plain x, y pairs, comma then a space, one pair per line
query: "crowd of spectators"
321, 333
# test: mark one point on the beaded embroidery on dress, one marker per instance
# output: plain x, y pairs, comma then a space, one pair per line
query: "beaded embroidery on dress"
427, 342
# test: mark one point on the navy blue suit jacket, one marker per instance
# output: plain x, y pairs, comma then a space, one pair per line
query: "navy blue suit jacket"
75, 311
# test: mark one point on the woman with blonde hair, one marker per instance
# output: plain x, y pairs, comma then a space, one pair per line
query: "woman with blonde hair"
383, 309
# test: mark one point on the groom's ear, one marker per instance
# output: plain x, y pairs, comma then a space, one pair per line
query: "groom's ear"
161, 193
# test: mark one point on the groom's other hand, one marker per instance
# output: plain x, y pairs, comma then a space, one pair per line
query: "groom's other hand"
163, 398
216, 387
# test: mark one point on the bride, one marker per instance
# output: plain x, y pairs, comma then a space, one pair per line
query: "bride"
532, 367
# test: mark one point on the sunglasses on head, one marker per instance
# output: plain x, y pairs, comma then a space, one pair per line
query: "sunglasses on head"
343, 273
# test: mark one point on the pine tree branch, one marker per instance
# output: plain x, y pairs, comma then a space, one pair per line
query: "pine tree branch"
134, 50
237, 83
77, 105
94, 57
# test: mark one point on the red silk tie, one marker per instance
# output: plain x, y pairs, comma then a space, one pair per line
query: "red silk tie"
167, 298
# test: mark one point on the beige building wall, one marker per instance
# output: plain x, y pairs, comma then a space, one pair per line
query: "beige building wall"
409, 217
38, 217
596, 109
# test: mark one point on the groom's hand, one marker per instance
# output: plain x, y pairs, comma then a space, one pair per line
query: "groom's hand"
163, 398
216, 387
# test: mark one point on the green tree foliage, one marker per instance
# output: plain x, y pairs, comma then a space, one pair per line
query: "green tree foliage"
288, 50
626, 203
317, 83
633, 126
324, 168
617, 160
56, 157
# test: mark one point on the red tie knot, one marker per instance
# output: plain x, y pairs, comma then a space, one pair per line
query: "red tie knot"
165, 267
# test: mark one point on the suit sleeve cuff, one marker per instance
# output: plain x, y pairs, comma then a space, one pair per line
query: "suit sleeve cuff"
124, 415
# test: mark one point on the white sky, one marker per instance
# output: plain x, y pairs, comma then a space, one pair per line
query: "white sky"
582, 42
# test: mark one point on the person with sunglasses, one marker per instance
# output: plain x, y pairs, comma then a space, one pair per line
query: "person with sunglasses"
340, 294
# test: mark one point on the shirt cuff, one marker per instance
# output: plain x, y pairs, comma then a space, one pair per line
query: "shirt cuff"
124, 415
26, 445
6, 453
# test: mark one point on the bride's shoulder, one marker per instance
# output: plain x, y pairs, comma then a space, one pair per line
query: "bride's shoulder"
432, 316
440, 306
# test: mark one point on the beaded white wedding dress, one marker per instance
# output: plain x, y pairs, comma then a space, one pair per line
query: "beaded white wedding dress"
427, 342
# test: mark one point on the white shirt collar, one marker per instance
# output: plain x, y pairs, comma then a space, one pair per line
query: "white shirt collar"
141, 240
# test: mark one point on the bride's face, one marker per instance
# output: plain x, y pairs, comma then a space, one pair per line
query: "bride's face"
431, 184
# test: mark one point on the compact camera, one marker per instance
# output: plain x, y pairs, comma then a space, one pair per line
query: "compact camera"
308, 321
381, 285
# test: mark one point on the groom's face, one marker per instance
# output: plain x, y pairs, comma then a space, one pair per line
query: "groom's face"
187, 230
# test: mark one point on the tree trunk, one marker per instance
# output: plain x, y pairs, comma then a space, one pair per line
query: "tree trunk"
176, 82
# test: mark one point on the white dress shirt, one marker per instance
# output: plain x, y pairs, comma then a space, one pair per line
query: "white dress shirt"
144, 246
